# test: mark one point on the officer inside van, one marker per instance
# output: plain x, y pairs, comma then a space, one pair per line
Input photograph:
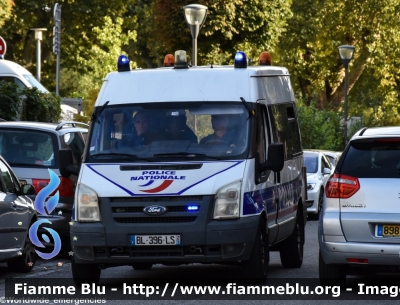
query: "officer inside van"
177, 128
223, 134
141, 134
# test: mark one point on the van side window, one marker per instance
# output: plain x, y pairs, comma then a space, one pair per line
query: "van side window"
285, 128
13, 80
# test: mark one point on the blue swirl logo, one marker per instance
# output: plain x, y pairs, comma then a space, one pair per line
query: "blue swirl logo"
45, 208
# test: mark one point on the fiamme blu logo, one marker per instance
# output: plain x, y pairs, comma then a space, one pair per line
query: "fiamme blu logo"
45, 209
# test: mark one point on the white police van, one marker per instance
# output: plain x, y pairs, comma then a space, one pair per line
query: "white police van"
190, 165
14, 73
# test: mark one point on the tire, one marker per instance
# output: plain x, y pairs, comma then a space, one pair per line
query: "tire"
257, 266
291, 251
142, 266
331, 274
85, 273
25, 262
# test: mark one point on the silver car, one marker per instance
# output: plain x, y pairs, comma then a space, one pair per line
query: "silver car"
319, 169
359, 227
31, 149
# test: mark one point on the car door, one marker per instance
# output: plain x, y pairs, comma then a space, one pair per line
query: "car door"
19, 210
8, 221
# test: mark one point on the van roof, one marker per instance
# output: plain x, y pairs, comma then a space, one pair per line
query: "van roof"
207, 83
10, 67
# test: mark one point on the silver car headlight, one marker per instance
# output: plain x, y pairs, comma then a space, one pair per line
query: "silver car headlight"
310, 186
227, 201
87, 204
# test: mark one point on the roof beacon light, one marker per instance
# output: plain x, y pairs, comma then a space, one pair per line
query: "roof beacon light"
123, 63
265, 59
240, 60
169, 60
180, 60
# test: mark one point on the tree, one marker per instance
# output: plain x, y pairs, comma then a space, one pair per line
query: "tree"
317, 28
252, 26
5, 10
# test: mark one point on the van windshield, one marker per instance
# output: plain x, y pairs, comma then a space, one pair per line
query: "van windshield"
35, 83
165, 131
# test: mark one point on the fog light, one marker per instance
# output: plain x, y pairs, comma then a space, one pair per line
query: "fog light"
232, 250
84, 253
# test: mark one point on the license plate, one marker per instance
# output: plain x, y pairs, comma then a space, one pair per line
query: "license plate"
388, 230
155, 240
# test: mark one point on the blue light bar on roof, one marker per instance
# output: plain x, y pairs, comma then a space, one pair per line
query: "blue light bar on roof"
240, 60
123, 63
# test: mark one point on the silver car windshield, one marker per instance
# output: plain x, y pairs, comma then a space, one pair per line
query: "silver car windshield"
170, 131
311, 163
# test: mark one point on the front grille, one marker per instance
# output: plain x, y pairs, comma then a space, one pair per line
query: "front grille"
155, 219
140, 209
150, 200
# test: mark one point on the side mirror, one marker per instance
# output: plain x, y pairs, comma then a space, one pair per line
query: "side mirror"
276, 158
327, 171
28, 189
66, 163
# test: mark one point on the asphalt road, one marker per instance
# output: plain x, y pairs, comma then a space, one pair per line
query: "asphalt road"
60, 268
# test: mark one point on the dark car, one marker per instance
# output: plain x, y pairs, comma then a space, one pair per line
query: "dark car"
17, 213
31, 149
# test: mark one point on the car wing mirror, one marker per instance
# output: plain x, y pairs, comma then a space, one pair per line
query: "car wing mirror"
327, 171
28, 189
276, 158
67, 166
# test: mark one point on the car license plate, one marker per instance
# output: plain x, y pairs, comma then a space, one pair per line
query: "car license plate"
155, 240
388, 230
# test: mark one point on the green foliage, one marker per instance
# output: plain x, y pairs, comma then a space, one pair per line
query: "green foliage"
252, 26
40, 107
5, 10
10, 100
320, 129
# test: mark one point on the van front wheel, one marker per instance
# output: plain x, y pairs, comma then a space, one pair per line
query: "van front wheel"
257, 266
291, 252
85, 273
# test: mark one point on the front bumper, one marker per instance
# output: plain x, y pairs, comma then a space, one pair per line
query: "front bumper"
220, 241
312, 200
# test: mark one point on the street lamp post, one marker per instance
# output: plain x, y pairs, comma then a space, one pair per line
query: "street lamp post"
38, 38
346, 54
195, 15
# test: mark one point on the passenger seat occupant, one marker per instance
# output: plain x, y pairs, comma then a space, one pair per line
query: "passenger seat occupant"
222, 133
140, 132
177, 128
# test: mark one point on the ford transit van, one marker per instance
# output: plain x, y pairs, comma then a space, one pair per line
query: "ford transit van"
190, 165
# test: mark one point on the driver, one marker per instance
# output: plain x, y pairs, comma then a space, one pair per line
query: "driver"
222, 133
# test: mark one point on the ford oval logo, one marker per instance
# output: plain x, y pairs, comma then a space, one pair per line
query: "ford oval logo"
154, 210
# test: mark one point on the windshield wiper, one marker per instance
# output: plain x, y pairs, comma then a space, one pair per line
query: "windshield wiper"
184, 155
130, 156
19, 164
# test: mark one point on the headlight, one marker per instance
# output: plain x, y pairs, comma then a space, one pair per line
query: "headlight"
310, 186
87, 204
227, 201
